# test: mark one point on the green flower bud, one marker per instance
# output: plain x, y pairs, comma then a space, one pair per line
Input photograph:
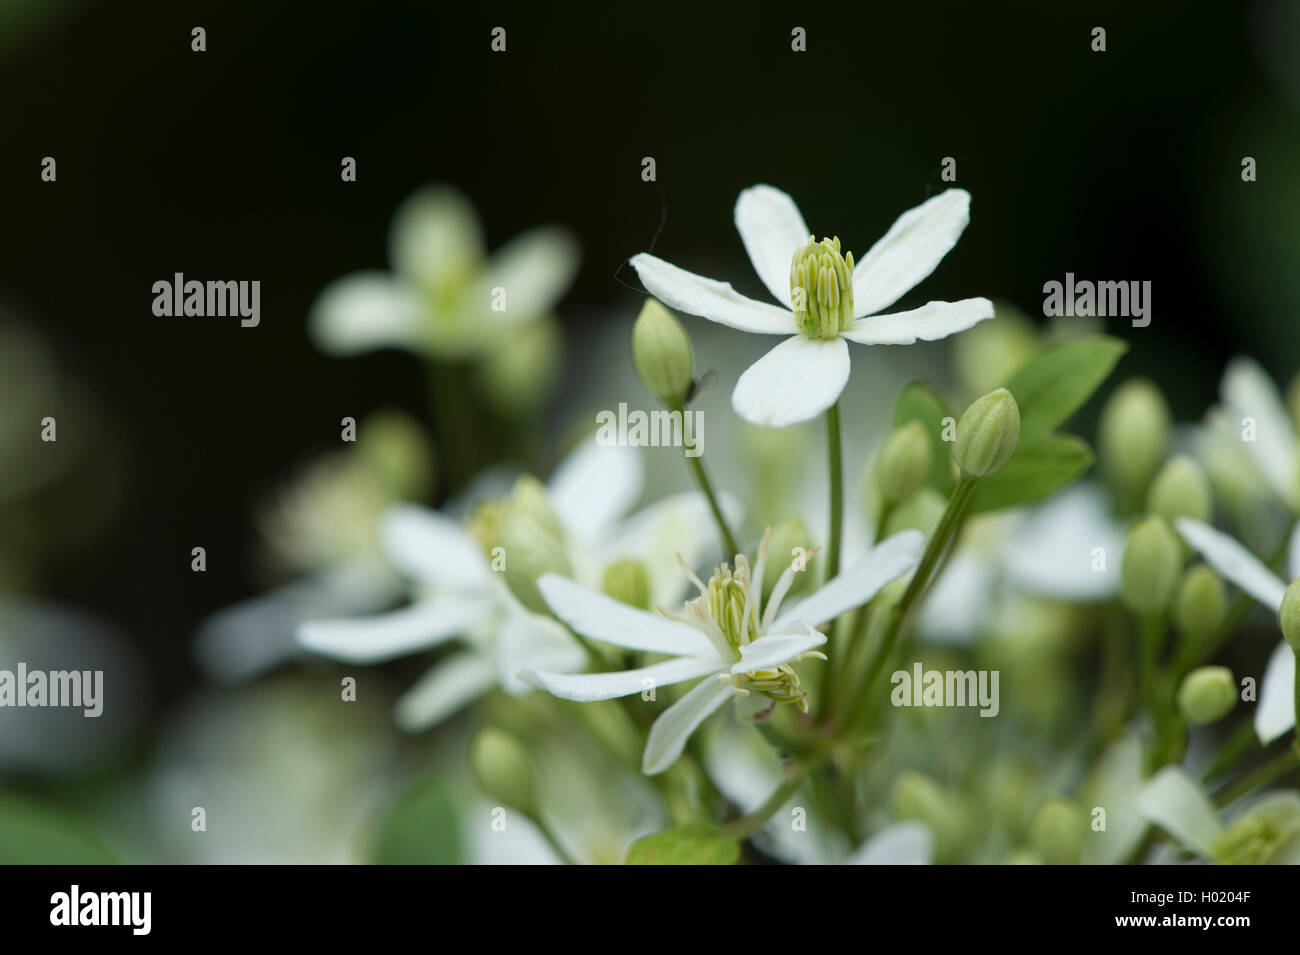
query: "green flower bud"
988, 354
1057, 831
1022, 857
1200, 603
1149, 572
519, 371
918, 797
628, 582
1207, 694
903, 463
1132, 436
785, 537
1289, 615
393, 446
987, 433
1180, 489
504, 769
921, 512
532, 541
661, 353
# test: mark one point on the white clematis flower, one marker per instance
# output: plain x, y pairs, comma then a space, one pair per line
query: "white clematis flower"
1250, 438
459, 595
824, 298
725, 634
441, 298
1275, 712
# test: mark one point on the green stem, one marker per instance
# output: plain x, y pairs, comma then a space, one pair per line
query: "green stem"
702, 479
1237, 745
553, 841
949, 524
750, 822
835, 467
1274, 769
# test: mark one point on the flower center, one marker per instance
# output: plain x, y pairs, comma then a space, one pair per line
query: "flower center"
728, 604
821, 288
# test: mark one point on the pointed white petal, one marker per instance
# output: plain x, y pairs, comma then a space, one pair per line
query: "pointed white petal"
433, 549
903, 843
909, 251
387, 636
597, 615
588, 687
435, 238
595, 486
365, 311
886, 561
772, 229
776, 648
1248, 392
449, 685
529, 641
1233, 561
708, 298
1275, 711
674, 726
931, 321
796, 381
534, 269
1179, 806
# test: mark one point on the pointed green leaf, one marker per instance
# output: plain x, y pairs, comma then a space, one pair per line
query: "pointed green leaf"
1037, 469
697, 844
918, 401
1055, 383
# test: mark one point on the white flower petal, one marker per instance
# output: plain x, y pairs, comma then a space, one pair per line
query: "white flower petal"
1179, 806
1248, 392
448, 686
674, 726
1235, 562
903, 843
1275, 711
597, 615
886, 561
595, 486
1051, 554
772, 229
365, 311
529, 641
534, 269
909, 251
708, 298
387, 636
795, 381
588, 687
931, 321
433, 549
776, 648
435, 239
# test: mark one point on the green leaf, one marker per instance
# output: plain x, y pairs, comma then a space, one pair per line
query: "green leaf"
1054, 383
696, 844
918, 401
1036, 469
421, 828
33, 834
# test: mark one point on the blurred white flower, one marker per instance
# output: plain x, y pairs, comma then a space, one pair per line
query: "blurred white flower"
443, 297
460, 595
824, 299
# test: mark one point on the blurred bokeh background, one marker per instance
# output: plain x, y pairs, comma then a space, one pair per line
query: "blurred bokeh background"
225, 165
